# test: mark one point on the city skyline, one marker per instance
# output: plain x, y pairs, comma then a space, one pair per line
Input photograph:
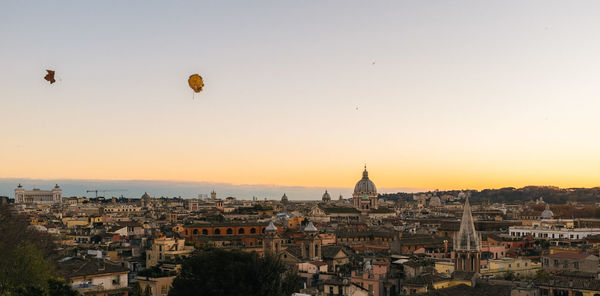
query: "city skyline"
460, 95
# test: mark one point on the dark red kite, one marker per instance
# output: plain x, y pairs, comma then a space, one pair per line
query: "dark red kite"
50, 76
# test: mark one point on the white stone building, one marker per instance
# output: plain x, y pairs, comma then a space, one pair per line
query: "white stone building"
552, 232
37, 196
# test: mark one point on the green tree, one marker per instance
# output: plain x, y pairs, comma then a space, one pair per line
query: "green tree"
304, 222
509, 276
219, 272
541, 274
25, 266
57, 287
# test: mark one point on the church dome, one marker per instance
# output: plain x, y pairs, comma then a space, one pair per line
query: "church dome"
284, 198
435, 201
365, 186
547, 213
310, 227
326, 196
271, 227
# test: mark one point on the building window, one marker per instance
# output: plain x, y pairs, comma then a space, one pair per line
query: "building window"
252, 230
229, 231
217, 231
204, 231
241, 231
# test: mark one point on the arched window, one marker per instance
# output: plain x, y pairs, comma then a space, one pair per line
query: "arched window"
252, 230
263, 230
195, 231
217, 231
229, 231
241, 231
204, 231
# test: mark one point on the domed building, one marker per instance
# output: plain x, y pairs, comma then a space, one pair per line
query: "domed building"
435, 201
365, 193
284, 198
326, 197
146, 200
547, 213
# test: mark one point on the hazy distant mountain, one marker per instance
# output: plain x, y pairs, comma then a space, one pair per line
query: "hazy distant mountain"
135, 188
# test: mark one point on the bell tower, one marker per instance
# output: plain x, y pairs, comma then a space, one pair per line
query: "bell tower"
311, 243
271, 241
467, 243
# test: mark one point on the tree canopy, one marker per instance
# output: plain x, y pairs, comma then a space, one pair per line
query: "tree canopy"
550, 194
26, 267
220, 272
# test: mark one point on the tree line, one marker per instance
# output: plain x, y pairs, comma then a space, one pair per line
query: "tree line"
550, 194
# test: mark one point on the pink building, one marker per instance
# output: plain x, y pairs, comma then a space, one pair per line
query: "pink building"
375, 279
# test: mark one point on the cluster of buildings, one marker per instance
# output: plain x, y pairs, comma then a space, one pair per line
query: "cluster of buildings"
364, 245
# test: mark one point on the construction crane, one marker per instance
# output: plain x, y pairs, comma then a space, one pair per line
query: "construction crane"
107, 190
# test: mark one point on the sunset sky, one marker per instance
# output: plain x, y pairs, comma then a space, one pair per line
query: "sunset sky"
429, 94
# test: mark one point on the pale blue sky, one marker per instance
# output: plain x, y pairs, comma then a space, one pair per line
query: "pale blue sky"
462, 93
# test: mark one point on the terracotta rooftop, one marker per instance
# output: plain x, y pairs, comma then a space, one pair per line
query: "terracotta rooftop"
568, 255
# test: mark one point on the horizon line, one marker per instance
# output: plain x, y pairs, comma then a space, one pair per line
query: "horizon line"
410, 189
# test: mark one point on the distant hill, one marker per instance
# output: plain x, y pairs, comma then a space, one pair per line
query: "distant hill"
550, 194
